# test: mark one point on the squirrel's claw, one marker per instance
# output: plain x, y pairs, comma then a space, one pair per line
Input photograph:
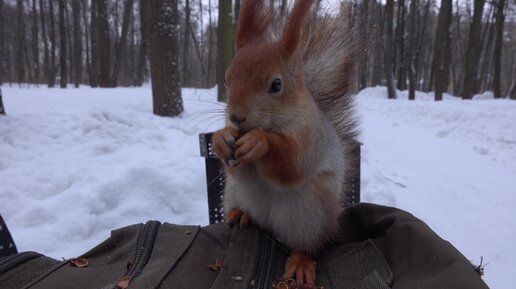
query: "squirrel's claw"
234, 216
301, 266
223, 144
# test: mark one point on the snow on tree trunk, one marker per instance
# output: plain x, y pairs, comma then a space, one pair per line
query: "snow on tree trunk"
164, 49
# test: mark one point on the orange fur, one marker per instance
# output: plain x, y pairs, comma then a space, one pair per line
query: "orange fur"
253, 22
301, 266
234, 216
281, 162
289, 146
293, 32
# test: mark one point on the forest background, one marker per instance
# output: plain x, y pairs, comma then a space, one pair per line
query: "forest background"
459, 47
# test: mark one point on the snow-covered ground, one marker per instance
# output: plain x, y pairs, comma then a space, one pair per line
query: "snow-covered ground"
76, 163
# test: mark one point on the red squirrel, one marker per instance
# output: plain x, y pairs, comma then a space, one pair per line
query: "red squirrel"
289, 128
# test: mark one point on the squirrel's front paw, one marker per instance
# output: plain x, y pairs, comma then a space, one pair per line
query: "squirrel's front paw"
223, 144
252, 146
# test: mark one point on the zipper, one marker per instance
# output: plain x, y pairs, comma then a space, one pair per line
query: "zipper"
9, 262
144, 246
266, 260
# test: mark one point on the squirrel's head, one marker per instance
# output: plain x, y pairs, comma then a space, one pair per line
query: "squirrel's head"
264, 82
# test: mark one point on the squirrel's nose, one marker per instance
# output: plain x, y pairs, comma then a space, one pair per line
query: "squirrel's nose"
237, 119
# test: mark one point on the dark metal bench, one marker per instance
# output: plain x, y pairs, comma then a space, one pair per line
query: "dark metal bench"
215, 180
7, 246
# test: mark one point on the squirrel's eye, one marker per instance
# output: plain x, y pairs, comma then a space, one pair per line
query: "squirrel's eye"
275, 86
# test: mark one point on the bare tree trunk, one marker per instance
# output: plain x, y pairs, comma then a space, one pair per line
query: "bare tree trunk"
199, 55
164, 48
62, 38
210, 44
497, 53
512, 90
77, 41
400, 49
459, 53
46, 63
2, 109
94, 69
378, 45
2, 44
70, 45
410, 53
52, 65
20, 41
102, 42
364, 34
144, 41
132, 51
86, 33
422, 43
186, 46
35, 43
439, 66
120, 54
389, 11
471, 63
224, 45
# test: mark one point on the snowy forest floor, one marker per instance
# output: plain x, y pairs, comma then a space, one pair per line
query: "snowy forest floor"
77, 163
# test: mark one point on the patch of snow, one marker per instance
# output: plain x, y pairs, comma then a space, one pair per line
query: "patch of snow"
77, 163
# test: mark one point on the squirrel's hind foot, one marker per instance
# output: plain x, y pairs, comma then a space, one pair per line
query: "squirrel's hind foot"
300, 266
235, 216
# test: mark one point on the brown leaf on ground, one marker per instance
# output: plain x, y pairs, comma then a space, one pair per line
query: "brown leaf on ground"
123, 282
215, 267
79, 262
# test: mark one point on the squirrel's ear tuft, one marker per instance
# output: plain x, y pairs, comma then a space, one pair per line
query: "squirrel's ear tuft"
292, 33
254, 18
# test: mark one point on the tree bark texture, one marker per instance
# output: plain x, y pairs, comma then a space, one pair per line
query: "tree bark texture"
471, 62
2, 109
400, 46
186, 45
94, 67
389, 43
164, 48
70, 45
20, 41
62, 38
497, 53
35, 43
144, 41
2, 43
440, 65
412, 38
52, 65
224, 45
46, 68
102, 43
122, 45
77, 41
